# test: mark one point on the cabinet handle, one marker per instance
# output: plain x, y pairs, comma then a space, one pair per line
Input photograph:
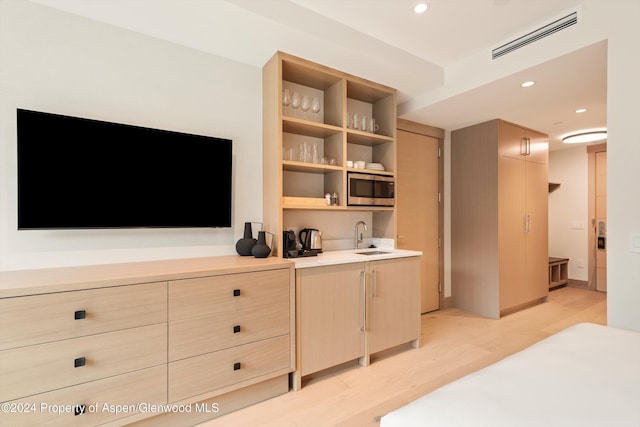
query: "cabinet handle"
236, 292
363, 283
527, 223
236, 329
80, 314
528, 146
80, 361
374, 273
523, 146
237, 366
79, 409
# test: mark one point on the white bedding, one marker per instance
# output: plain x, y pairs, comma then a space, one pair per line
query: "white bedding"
585, 375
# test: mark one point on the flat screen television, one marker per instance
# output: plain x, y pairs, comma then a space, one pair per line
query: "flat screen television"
77, 173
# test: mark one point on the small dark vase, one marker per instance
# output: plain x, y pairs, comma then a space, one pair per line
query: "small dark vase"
244, 245
261, 250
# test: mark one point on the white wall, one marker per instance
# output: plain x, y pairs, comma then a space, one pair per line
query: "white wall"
623, 160
568, 210
57, 62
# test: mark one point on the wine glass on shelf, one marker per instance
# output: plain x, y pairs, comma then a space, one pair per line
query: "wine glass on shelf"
305, 105
295, 101
315, 107
286, 99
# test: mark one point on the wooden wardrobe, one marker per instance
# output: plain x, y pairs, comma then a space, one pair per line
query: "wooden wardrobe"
499, 224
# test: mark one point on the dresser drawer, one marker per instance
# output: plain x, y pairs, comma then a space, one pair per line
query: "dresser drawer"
199, 335
216, 294
35, 369
208, 372
124, 392
51, 317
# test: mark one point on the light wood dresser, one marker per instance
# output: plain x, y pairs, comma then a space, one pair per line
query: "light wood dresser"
177, 341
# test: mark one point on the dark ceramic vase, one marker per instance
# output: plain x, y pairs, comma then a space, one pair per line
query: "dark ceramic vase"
261, 250
246, 244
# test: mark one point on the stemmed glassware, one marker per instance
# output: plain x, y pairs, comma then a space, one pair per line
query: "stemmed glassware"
295, 100
315, 106
286, 99
305, 105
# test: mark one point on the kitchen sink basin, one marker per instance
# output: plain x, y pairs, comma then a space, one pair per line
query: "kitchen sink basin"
374, 252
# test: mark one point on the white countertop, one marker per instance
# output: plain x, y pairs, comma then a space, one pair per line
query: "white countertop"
351, 256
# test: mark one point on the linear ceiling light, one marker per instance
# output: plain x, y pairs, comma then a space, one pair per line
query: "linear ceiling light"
591, 136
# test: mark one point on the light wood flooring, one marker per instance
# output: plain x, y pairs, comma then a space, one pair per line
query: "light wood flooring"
453, 344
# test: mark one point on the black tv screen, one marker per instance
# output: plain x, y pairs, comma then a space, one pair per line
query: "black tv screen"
80, 173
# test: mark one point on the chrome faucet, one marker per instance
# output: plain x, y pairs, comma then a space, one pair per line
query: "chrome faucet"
358, 237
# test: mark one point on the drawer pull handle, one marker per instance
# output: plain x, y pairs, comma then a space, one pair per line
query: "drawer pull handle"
79, 409
80, 314
80, 361
236, 366
236, 292
236, 329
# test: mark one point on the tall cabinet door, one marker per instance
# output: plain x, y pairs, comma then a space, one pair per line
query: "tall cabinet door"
537, 272
512, 223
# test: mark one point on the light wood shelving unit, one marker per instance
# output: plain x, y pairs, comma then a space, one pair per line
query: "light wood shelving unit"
291, 184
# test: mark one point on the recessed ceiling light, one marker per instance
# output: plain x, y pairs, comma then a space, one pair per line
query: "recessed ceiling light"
585, 136
528, 84
421, 7
581, 110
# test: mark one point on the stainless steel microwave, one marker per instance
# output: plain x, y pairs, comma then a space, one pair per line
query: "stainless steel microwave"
370, 190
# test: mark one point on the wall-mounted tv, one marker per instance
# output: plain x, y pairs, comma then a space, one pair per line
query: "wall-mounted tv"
77, 173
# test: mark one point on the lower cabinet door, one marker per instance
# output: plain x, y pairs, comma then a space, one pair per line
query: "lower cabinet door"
92, 403
208, 372
393, 303
330, 316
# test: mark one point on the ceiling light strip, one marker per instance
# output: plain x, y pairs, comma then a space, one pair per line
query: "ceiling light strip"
536, 35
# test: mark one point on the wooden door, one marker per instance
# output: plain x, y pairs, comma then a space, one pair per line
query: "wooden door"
393, 311
330, 316
417, 209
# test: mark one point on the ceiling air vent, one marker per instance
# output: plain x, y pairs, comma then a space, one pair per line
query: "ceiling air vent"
535, 35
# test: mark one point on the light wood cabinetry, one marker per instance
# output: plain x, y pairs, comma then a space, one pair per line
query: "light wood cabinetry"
351, 311
499, 218
97, 342
393, 303
54, 346
227, 329
330, 313
57, 316
292, 181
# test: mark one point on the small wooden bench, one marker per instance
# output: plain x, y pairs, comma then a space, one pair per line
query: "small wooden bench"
558, 272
